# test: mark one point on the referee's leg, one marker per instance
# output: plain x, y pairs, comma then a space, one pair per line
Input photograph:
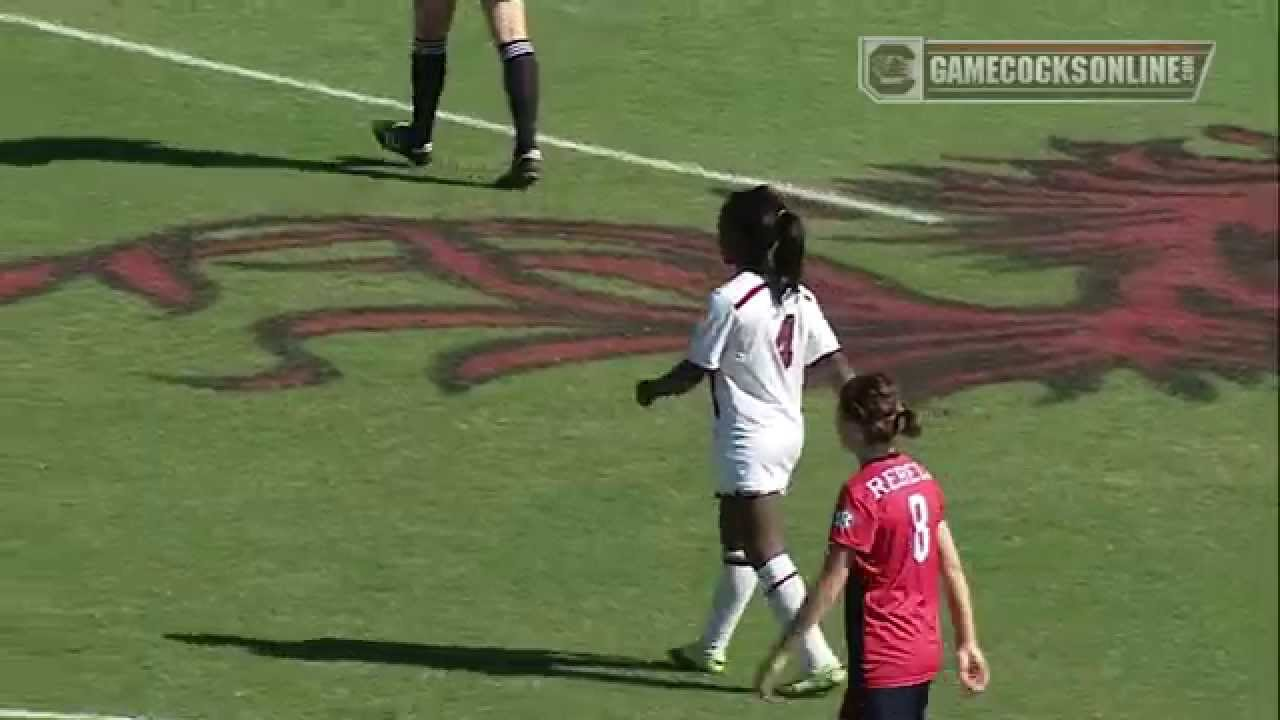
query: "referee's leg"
432, 20
509, 28
427, 64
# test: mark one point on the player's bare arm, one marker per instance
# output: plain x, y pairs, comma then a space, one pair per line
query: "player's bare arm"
971, 664
834, 369
835, 574
682, 378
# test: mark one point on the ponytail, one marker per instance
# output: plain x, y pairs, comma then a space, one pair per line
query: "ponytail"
873, 403
786, 266
909, 423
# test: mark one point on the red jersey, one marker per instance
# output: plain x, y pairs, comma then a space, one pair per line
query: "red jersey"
888, 515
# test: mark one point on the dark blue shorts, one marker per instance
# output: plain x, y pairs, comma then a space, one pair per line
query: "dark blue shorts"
900, 703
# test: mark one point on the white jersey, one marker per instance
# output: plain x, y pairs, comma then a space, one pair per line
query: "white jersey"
757, 351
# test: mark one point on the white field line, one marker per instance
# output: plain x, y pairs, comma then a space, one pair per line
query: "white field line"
13, 714
823, 197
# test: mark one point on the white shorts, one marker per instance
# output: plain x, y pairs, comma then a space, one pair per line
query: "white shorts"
759, 464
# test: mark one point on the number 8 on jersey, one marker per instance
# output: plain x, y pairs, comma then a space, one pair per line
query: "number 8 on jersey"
919, 508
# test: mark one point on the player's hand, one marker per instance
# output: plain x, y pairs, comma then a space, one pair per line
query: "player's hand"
972, 668
767, 676
644, 393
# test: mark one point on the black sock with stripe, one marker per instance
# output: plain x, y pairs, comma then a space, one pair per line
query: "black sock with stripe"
430, 62
520, 76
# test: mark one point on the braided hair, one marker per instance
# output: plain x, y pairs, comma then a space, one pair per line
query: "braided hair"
766, 236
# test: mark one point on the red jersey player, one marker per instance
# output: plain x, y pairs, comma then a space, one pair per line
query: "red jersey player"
889, 544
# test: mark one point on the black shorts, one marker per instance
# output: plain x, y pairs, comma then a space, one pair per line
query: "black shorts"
900, 703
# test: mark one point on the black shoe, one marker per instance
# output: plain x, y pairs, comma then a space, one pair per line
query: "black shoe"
400, 138
526, 169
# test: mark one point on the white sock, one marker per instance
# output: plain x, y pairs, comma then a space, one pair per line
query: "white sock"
733, 592
784, 589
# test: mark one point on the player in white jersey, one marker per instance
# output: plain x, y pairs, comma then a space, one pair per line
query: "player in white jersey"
763, 331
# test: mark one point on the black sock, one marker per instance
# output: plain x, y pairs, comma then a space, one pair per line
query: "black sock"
520, 75
429, 64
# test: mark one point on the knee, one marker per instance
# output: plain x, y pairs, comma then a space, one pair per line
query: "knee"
507, 21
431, 31
760, 554
423, 38
432, 19
764, 548
776, 572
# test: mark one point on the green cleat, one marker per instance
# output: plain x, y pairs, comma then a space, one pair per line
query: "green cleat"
696, 658
818, 682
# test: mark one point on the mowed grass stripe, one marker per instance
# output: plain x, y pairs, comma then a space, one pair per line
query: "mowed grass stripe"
823, 197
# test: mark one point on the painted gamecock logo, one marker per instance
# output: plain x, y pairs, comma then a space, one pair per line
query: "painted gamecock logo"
1176, 250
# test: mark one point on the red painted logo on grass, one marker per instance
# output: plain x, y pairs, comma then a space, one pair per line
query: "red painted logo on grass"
1176, 252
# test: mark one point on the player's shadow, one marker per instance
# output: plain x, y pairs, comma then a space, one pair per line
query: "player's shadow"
496, 661
33, 152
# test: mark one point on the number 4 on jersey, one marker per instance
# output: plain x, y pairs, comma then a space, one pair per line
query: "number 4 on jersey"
786, 340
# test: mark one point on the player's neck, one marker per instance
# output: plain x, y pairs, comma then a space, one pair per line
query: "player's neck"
868, 454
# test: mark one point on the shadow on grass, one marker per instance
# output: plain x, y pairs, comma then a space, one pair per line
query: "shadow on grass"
495, 661
36, 151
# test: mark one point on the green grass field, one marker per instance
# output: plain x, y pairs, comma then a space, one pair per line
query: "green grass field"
292, 435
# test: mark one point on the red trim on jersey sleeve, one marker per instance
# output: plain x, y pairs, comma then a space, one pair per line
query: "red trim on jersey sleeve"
824, 357
854, 523
752, 293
